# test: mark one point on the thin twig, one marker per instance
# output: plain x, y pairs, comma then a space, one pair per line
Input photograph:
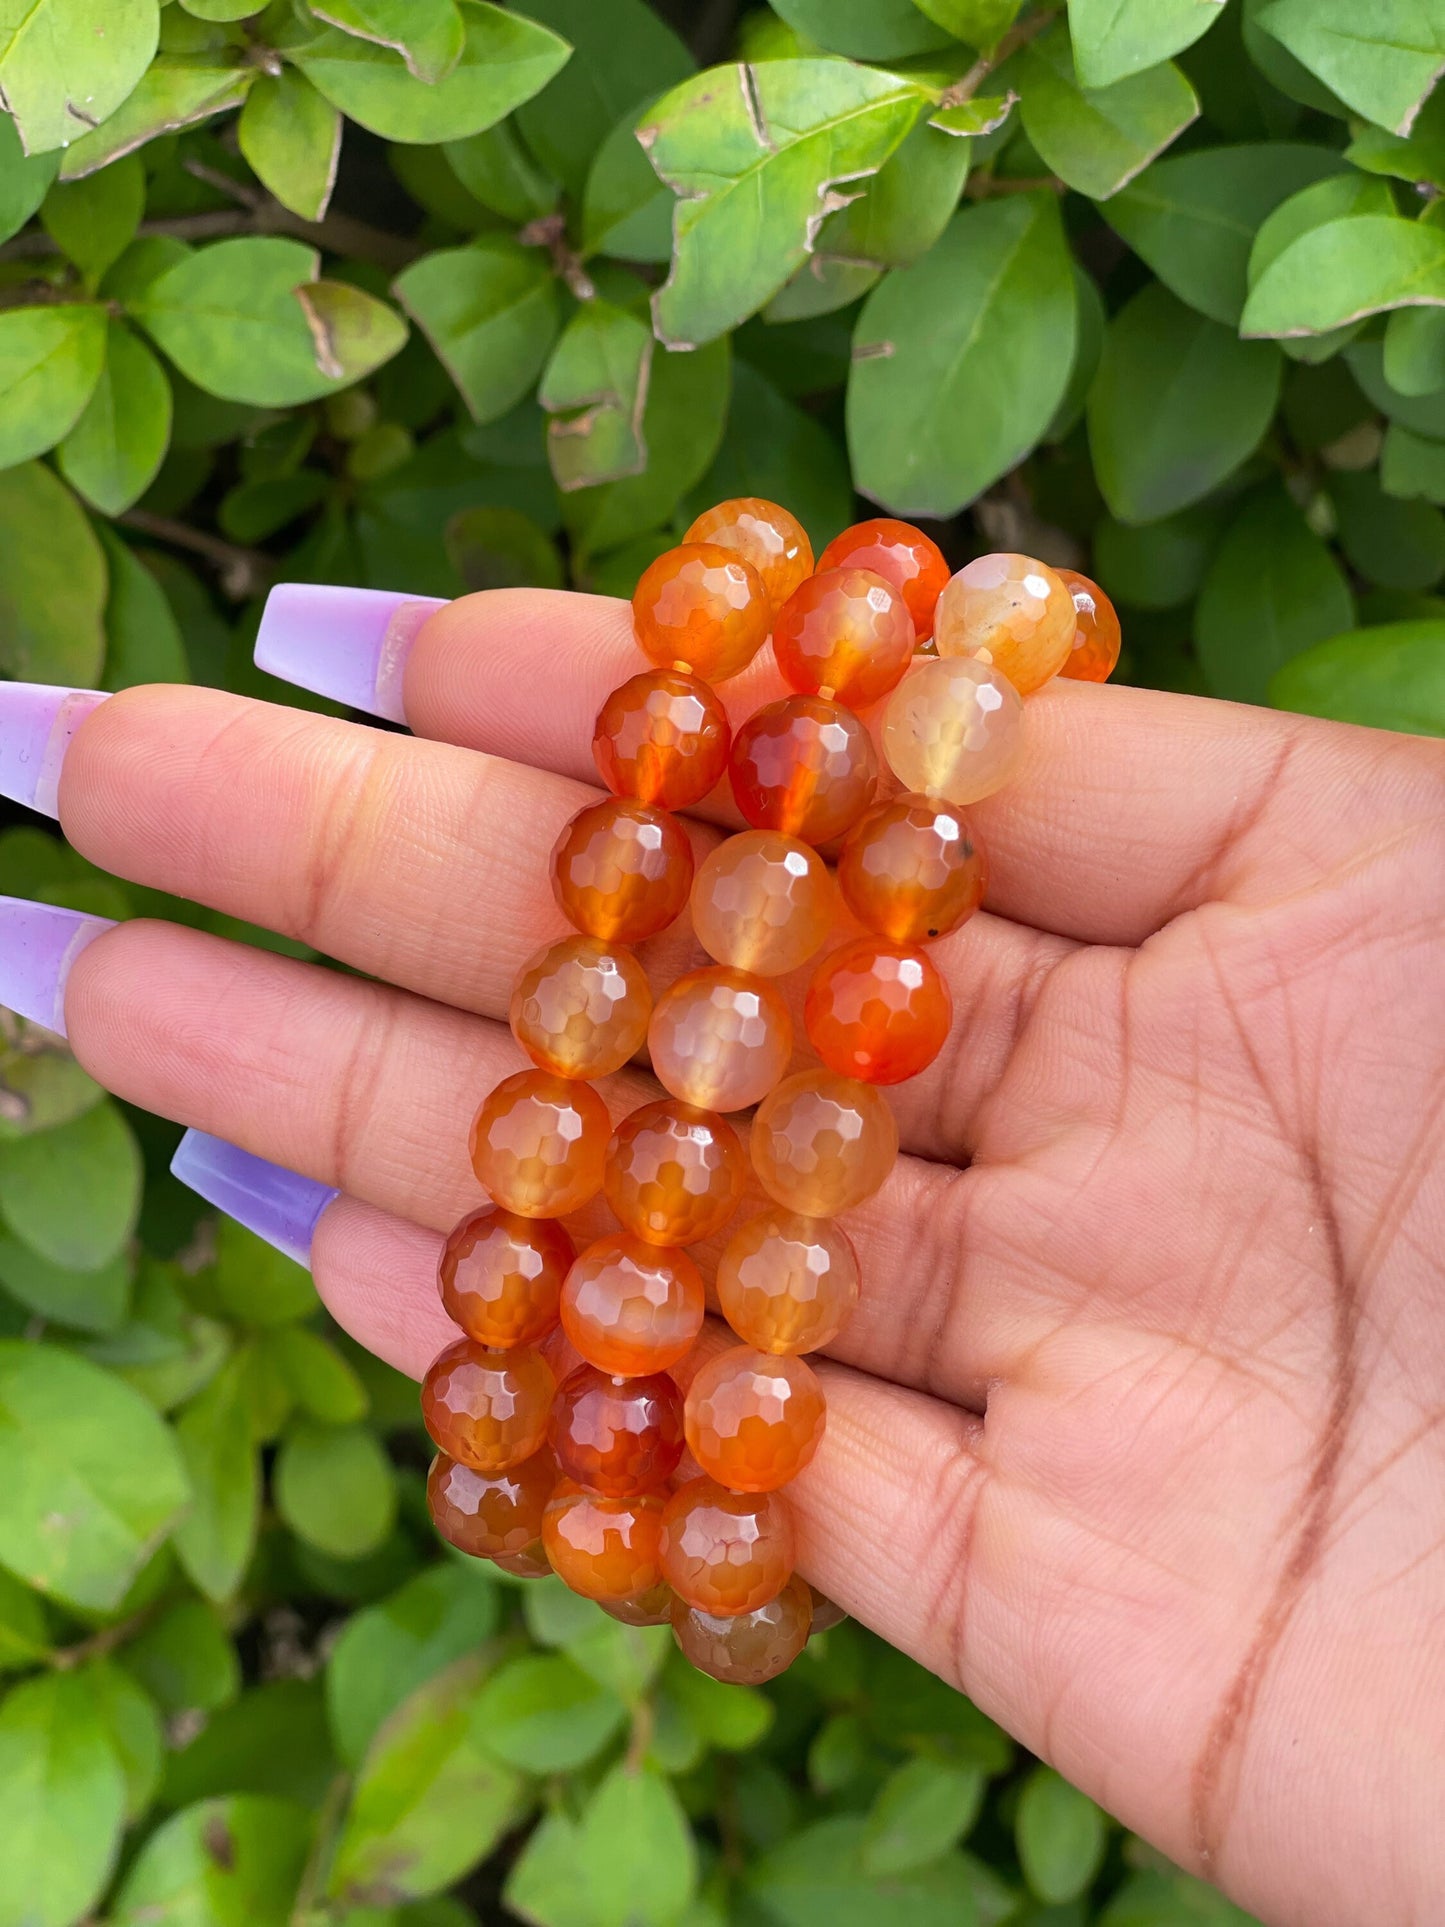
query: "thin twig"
244, 572
336, 234
66, 1658
968, 85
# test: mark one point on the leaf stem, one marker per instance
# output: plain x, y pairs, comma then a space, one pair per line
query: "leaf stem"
100, 1644
336, 234
244, 572
1017, 36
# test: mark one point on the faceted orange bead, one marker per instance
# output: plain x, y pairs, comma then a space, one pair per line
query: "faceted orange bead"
753, 1422
1011, 611
703, 608
580, 1007
531, 1563
539, 1142
902, 555
726, 1552
720, 1039
650, 1608
501, 1276
770, 537
617, 1435
762, 902
912, 869
662, 737
1097, 638
632, 1308
605, 1549
786, 1283
877, 1010
826, 1614
805, 766
822, 1143
487, 1409
954, 730
674, 1173
622, 870
845, 634
748, 1648
487, 1515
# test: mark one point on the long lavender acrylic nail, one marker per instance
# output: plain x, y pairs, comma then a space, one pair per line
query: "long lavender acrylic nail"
348, 644
278, 1205
38, 944
37, 721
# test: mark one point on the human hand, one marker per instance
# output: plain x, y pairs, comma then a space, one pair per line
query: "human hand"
1136, 1435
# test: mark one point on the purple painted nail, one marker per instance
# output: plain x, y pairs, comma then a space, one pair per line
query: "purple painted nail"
348, 644
278, 1205
37, 721
38, 944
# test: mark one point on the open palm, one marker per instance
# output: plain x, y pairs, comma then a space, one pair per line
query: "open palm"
1138, 1435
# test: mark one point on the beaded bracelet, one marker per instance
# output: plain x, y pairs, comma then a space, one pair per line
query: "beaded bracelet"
587, 1477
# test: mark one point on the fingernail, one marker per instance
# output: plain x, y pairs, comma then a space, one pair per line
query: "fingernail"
37, 721
348, 644
278, 1205
38, 944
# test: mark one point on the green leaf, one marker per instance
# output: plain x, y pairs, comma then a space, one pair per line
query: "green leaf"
272, 1740
73, 1194
1418, 156
62, 1802
821, 286
961, 360
335, 1487
173, 93
113, 453
428, 34
66, 65
777, 450
1116, 38
1157, 1899
320, 1380
1391, 677
638, 1850
818, 1875
1423, 414
50, 362
93, 1477
134, 1725
352, 333
626, 210
504, 61
544, 1714
500, 548
1089, 327
1345, 270
1382, 60
94, 221
923, 1808
490, 311
904, 208
1178, 403
497, 170
291, 139
624, 1660
982, 23
1339, 197
23, 181
224, 1863
1397, 544
547, 1885
1097, 140
756, 156
94, 1301
1412, 466
165, 1350
143, 637
24, 1630
215, 1539
733, 1718
595, 389
864, 29
185, 1659
1060, 1835
1415, 350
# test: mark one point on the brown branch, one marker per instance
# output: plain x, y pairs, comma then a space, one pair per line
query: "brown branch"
1018, 36
336, 234
244, 572
100, 1644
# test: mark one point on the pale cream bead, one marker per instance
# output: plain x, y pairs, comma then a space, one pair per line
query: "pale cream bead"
1011, 611
954, 728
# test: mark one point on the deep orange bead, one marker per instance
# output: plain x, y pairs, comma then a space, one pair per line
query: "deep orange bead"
763, 902
1012, 612
617, 1435
490, 1515
877, 1010
580, 1007
500, 1276
821, 1143
902, 555
605, 1549
539, 1143
749, 1648
632, 1308
674, 1173
913, 869
1097, 638
804, 766
621, 870
726, 1552
761, 532
785, 1283
701, 607
650, 1608
662, 737
753, 1422
845, 634
487, 1409
720, 1039
531, 1563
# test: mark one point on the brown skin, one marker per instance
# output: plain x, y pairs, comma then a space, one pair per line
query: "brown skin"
1138, 1435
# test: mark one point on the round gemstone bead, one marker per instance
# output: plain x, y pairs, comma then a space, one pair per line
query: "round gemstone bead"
877, 1010
762, 902
539, 1143
902, 555
804, 766
487, 1409
1011, 611
786, 1283
490, 1515
720, 1039
912, 869
662, 737
954, 730
726, 1552
772, 539
748, 1648
650, 1608
604, 1548
580, 1007
617, 1435
531, 1563
701, 607
622, 870
674, 1173
822, 1143
1097, 638
845, 634
632, 1308
500, 1276
753, 1422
